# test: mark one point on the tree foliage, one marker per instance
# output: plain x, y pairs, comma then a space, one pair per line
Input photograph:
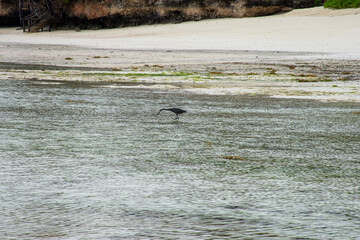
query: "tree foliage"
342, 4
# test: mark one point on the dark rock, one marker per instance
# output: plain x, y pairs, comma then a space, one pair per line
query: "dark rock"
9, 13
95, 14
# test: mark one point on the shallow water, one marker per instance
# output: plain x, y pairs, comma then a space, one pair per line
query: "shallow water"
93, 161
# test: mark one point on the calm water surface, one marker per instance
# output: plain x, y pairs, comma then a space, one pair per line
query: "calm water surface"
93, 161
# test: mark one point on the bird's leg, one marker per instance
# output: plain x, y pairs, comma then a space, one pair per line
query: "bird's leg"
177, 117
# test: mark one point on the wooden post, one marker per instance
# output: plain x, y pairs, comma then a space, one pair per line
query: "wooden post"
36, 14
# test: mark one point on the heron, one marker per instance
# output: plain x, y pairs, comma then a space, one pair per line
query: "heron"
177, 111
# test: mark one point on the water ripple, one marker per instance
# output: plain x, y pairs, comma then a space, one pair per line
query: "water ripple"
81, 161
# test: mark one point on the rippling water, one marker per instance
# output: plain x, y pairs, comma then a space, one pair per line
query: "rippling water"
93, 161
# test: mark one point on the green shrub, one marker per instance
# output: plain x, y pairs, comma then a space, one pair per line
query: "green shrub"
342, 4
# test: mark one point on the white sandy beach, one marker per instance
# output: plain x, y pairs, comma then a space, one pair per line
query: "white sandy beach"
315, 36
306, 30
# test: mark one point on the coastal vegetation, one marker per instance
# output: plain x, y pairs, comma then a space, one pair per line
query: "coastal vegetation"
342, 4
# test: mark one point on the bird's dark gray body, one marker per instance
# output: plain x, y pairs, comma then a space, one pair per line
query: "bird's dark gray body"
177, 111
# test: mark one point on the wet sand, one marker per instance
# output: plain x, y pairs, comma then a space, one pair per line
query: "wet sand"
308, 53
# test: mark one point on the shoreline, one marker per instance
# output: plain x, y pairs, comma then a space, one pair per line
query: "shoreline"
302, 80
219, 56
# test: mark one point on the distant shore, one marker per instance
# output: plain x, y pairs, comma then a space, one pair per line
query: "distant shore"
307, 53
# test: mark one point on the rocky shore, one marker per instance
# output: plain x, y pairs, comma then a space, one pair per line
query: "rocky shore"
94, 14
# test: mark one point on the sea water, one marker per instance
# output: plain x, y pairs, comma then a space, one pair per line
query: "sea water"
83, 160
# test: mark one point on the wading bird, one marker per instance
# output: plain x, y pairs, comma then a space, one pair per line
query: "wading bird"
177, 111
